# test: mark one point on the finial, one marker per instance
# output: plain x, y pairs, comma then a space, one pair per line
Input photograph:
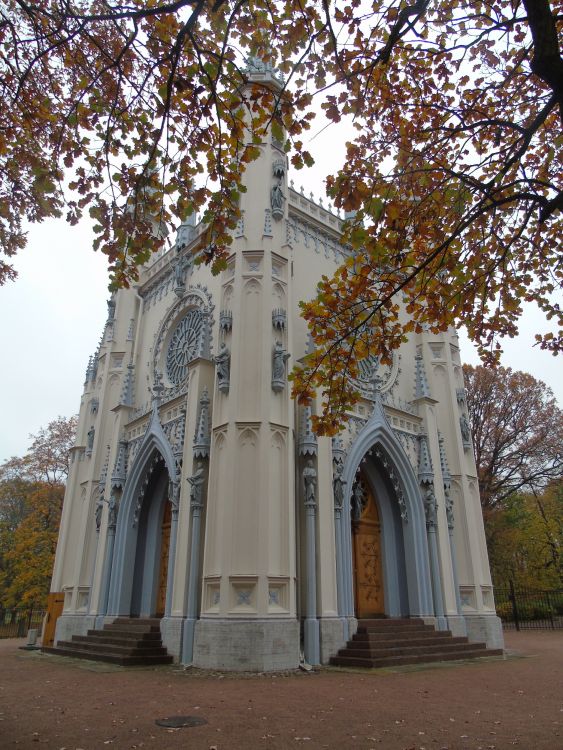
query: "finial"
157, 389
119, 470
425, 473
104, 472
446, 476
421, 383
202, 438
307, 438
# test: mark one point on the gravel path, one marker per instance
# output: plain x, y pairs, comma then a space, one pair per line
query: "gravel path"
494, 704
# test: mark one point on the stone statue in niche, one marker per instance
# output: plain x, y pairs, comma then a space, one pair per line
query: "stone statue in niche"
277, 199
90, 440
465, 430
98, 512
223, 367
338, 486
111, 309
180, 266
112, 512
196, 486
430, 506
279, 358
310, 483
359, 500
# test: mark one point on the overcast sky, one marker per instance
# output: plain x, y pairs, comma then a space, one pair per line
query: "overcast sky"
53, 314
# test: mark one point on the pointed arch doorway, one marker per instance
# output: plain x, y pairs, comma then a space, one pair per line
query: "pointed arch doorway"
366, 552
378, 457
152, 544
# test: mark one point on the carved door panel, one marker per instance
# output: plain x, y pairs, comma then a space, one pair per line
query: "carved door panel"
368, 579
163, 568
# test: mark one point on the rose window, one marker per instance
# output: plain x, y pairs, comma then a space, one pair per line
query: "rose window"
184, 346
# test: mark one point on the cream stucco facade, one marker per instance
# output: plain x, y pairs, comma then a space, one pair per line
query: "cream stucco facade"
186, 415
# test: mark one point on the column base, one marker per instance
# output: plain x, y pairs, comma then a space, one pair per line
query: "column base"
188, 640
171, 631
311, 641
69, 625
485, 629
246, 645
457, 626
333, 636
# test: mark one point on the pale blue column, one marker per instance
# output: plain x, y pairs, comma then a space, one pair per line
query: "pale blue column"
193, 575
106, 572
108, 559
193, 578
454, 572
339, 561
436, 583
171, 561
312, 642
93, 570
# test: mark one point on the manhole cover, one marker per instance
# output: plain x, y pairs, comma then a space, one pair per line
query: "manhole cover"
180, 721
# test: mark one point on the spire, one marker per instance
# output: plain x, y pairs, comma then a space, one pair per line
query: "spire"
421, 384
202, 438
204, 338
186, 232
119, 470
92, 368
447, 479
104, 473
338, 451
446, 476
157, 390
180, 437
127, 390
425, 473
307, 438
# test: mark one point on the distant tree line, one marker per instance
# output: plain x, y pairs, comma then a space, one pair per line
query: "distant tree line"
31, 497
518, 440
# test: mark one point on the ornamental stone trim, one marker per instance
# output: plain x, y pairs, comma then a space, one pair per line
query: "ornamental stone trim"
199, 298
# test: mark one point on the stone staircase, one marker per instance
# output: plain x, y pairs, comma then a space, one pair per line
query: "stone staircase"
396, 642
125, 641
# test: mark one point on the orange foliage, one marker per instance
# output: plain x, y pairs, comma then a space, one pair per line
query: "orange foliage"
454, 174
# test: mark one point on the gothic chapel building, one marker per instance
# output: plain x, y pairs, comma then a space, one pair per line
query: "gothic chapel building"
199, 495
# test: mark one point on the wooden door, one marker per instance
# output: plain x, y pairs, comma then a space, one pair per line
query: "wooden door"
163, 569
55, 603
366, 542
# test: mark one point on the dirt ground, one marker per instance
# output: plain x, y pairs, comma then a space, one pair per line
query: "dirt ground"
69, 704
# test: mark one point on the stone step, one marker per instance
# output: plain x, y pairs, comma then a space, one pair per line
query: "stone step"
395, 642
380, 643
124, 661
376, 653
395, 661
109, 648
398, 629
101, 640
388, 622
400, 633
383, 625
123, 635
139, 630
133, 627
126, 641
137, 621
